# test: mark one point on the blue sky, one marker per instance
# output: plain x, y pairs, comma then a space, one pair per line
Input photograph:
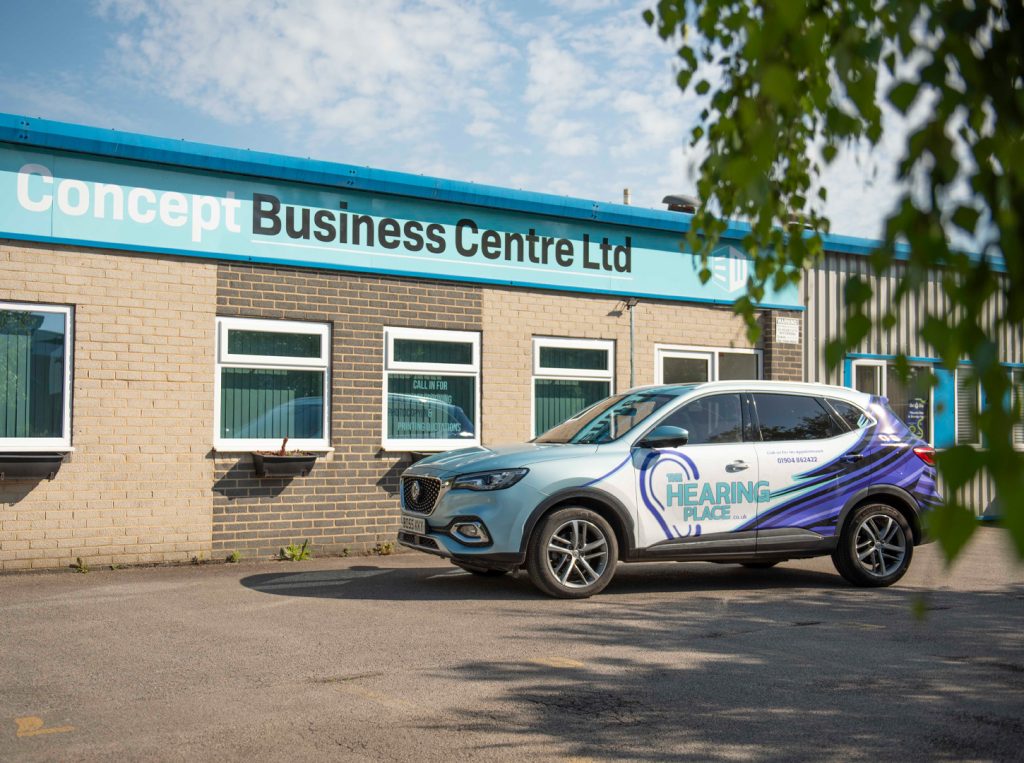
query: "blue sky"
573, 97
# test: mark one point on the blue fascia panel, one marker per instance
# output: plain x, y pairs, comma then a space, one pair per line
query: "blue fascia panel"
64, 136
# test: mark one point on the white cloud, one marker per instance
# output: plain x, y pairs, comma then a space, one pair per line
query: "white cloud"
385, 69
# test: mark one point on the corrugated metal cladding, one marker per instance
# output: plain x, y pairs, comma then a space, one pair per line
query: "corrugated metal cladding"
826, 313
823, 294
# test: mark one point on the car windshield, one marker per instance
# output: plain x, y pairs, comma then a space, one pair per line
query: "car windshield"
612, 417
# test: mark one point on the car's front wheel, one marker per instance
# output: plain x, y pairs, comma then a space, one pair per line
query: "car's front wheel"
875, 547
572, 554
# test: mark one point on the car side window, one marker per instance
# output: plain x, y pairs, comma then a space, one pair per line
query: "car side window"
793, 417
710, 420
850, 413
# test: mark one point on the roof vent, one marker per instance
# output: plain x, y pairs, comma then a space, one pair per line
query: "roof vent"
681, 203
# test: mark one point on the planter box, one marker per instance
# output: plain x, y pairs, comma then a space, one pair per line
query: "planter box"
282, 466
29, 466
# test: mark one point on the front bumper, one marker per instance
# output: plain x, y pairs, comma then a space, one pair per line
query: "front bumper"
502, 512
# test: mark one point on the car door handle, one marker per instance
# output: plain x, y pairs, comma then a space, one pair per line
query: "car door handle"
853, 457
737, 466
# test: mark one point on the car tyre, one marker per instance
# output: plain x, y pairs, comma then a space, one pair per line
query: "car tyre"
572, 554
875, 547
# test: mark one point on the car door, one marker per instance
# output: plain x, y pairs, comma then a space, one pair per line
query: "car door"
802, 451
701, 492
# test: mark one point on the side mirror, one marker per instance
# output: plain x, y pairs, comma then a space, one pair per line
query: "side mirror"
664, 437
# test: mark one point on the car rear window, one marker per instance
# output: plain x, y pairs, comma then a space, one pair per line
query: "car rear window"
793, 417
850, 413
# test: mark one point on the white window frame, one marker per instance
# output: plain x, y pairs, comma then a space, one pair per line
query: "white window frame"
58, 444
702, 353
956, 405
568, 374
391, 333
1018, 429
883, 384
224, 359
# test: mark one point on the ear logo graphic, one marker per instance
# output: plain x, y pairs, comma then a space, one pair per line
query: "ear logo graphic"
729, 268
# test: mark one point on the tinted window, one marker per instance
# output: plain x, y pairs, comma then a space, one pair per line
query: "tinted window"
710, 420
793, 417
850, 413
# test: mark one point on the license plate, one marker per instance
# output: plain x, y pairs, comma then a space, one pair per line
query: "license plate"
414, 524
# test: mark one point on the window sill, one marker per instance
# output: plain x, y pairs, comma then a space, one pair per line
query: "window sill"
14, 448
229, 449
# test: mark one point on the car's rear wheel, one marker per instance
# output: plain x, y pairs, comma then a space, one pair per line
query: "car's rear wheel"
572, 554
875, 548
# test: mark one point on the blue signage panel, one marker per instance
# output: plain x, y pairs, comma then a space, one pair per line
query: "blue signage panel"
118, 204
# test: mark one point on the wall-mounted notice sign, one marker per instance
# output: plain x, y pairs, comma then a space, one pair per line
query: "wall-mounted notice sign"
79, 199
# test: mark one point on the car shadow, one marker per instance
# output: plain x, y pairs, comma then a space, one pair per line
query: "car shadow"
374, 583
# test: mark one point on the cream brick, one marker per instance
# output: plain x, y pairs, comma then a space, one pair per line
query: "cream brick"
143, 397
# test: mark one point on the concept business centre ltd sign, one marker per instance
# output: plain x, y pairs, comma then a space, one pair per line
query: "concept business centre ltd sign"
120, 204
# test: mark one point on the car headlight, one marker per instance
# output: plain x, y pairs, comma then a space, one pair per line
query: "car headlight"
498, 480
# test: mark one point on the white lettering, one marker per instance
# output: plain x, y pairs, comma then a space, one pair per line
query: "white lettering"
201, 222
26, 202
116, 194
173, 209
231, 205
64, 189
134, 212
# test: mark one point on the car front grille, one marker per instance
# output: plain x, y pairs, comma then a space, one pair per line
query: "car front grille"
419, 494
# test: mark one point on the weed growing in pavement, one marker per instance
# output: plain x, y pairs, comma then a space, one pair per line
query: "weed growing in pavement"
384, 549
79, 565
233, 557
294, 553
198, 559
117, 566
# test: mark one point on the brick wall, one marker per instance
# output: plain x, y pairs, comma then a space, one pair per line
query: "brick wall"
512, 317
350, 498
137, 486
782, 361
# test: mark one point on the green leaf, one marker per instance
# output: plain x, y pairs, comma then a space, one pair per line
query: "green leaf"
952, 526
966, 218
902, 96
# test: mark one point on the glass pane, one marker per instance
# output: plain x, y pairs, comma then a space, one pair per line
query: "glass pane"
911, 400
576, 358
712, 419
966, 407
853, 415
737, 365
684, 370
793, 417
612, 417
273, 343
31, 374
556, 400
868, 379
422, 407
271, 403
421, 351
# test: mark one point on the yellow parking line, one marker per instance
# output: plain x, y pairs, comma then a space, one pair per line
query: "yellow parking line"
557, 662
32, 726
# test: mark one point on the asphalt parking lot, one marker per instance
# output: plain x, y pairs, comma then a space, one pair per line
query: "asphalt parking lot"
404, 657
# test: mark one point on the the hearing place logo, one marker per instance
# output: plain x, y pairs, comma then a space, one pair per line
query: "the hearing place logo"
729, 268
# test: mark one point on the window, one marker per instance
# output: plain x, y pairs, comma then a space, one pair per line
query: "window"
35, 377
1017, 382
431, 389
851, 414
909, 399
710, 420
610, 419
568, 376
692, 365
272, 382
968, 403
793, 417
